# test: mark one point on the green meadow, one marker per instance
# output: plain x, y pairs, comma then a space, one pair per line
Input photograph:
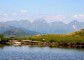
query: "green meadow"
75, 37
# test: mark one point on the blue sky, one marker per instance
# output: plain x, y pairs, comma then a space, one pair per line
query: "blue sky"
50, 10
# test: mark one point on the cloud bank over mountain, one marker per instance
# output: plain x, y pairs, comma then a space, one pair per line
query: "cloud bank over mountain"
24, 15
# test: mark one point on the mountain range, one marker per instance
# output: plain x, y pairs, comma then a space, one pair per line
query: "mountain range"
13, 31
40, 26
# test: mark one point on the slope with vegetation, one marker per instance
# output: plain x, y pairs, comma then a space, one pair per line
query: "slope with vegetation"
72, 39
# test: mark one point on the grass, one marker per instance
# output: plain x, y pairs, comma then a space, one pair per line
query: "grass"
57, 38
76, 37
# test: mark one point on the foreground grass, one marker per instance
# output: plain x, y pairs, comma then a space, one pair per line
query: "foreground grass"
56, 38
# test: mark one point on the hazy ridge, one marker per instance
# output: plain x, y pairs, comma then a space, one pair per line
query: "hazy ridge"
40, 26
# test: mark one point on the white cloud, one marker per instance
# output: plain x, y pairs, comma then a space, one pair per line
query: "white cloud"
51, 18
56, 17
23, 14
23, 11
6, 19
79, 17
5, 14
14, 14
48, 18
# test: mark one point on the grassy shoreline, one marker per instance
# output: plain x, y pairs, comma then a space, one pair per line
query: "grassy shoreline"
72, 39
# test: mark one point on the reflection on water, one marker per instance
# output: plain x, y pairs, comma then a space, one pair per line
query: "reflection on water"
39, 53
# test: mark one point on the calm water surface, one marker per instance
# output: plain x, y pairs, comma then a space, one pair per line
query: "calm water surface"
39, 53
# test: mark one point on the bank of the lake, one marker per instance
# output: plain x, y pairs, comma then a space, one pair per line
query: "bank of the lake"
75, 39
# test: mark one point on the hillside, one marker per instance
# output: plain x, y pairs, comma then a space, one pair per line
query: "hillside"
72, 39
4, 28
75, 37
79, 32
15, 32
19, 32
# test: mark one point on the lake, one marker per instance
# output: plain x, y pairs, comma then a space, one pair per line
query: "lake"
40, 53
